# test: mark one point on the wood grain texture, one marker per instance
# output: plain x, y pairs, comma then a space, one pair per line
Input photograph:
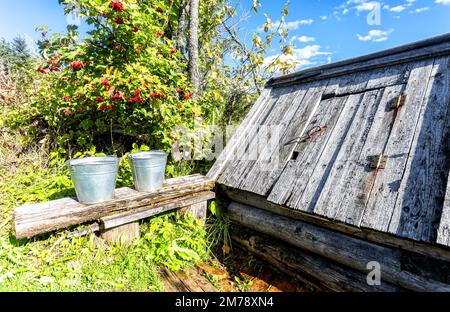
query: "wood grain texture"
408, 53
346, 250
241, 132
443, 237
244, 150
305, 197
195, 200
385, 189
273, 159
304, 265
297, 171
124, 234
189, 280
227, 195
31, 220
422, 191
267, 138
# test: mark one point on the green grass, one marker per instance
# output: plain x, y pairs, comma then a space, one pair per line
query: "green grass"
55, 263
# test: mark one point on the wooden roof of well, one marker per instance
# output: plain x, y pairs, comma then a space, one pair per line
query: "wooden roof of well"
328, 125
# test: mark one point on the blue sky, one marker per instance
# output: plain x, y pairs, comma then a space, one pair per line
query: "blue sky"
322, 30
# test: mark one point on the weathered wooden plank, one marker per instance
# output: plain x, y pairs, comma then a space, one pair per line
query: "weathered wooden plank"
358, 180
296, 174
295, 262
123, 234
346, 250
341, 86
408, 53
381, 203
266, 136
337, 185
245, 148
31, 220
172, 283
147, 212
189, 280
422, 191
199, 279
361, 82
227, 194
198, 209
305, 199
241, 131
270, 165
443, 237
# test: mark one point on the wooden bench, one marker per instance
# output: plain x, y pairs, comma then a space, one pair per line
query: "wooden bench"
118, 216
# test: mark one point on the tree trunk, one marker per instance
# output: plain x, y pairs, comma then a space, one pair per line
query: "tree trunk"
193, 46
180, 34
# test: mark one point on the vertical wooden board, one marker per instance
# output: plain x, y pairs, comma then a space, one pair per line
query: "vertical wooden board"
421, 195
241, 131
250, 151
443, 237
336, 187
268, 132
240, 141
357, 182
384, 193
294, 127
297, 171
306, 199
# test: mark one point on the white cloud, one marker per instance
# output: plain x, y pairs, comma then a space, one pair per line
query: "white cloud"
309, 52
444, 2
303, 56
345, 11
366, 6
375, 35
420, 10
324, 17
306, 39
398, 8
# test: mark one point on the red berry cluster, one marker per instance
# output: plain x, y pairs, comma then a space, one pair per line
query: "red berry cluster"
117, 6
136, 99
77, 65
157, 95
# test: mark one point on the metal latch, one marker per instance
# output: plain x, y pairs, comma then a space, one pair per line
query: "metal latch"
398, 102
377, 161
315, 131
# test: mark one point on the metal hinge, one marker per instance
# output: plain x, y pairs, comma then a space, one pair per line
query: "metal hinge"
377, 161
398, 102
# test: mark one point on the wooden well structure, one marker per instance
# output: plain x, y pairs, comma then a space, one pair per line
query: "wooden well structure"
347, 164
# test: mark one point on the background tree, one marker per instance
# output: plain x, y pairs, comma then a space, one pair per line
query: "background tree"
193, 46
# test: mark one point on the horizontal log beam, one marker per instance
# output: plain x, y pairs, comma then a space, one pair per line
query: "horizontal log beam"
247, 198
146, 212
307, 267
346, 250
32, 220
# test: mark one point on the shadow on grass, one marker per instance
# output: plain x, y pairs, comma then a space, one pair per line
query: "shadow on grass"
67, 192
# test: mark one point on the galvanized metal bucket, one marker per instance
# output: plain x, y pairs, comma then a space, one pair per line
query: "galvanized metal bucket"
94, 178
148, 170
